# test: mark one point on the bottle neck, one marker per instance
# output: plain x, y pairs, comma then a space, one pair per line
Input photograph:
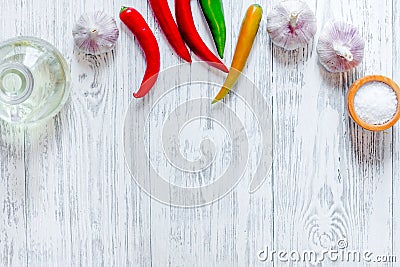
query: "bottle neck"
16, 83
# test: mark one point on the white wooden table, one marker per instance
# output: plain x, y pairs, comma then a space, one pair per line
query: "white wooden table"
68, 199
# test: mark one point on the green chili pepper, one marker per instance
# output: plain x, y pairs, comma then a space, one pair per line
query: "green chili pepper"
214, 13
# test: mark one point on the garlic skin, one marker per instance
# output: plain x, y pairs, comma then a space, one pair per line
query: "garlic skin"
340, 47
291, 24
95, 33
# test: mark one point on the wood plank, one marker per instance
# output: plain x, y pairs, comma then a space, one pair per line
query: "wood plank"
13, 208
230, 231
332, 180
68, 198
79, 187
395, 238
12, 197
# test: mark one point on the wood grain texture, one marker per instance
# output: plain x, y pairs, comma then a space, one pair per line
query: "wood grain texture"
67, 197
12, 197
338, 176
396, 141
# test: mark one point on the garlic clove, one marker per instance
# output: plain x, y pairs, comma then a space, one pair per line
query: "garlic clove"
95, 33
291, 24
340, 47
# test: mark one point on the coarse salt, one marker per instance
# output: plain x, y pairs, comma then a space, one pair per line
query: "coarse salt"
375, 103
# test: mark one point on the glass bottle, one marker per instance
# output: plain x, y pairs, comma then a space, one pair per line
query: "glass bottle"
34, 80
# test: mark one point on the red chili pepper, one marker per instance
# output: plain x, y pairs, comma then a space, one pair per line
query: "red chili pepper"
164, 17
138, 26
184, 19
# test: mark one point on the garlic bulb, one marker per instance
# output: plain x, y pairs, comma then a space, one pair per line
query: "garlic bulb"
95, 33
291, 24
340, 47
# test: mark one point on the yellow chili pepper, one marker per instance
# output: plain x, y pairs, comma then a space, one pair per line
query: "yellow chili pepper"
248, 32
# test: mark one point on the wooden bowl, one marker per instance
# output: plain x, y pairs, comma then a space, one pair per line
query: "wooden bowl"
352, 93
